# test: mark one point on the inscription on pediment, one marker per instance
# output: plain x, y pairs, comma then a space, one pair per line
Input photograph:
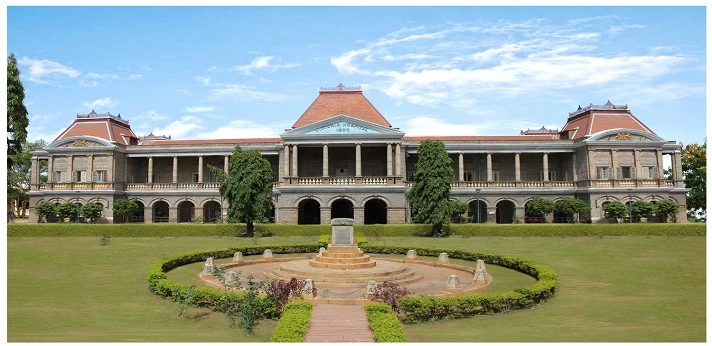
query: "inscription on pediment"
341, 127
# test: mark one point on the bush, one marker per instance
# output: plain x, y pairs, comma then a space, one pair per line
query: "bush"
578, 230
384, 323
666, 208
615, 209
91, 211
45, 209
294, 323
539, 207
68, 210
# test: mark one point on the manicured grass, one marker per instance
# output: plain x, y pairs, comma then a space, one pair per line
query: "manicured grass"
610, 289
622, 289
74, 289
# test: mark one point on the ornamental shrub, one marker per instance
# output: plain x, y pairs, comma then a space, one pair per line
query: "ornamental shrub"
91, 211
384, 323
294, 323
615, 210
665, 209
44, 210
640, 209
539, 207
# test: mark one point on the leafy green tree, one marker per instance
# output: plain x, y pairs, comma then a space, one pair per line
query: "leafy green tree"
430, 194
68, 210
247, 188
665, 209
45, 209
124, 207
457, 208
91, 211
615, 210
539, 207
570, 206
640, 209
694, 171
17, 119
18, 176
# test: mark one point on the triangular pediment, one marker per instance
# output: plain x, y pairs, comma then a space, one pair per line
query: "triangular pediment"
80, 142
624, 135
342, 126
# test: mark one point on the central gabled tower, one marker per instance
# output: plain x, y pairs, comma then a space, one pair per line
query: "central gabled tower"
341, 100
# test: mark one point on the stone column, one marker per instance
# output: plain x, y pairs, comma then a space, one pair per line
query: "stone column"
286, 160
661, 169
90, 168
325, 161
545, 163
461, 167
148, 214
358, 160
200, 169
592, 174
172, 214
150, 170
398, 160
638, 167
174, 180
325, 215
71, 168
614, 163
389, 160
226, 163
50, 173
359, 215
489, 166
517, 169
34, 175
294, 161
677, 173
491, 214
574, 176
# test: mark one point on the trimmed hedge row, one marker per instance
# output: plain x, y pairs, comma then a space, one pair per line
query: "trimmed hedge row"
294, 323
216, 300
384, 323
425, 308
374, 231
577, 230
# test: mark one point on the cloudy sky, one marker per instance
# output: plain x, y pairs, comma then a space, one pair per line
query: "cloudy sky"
228, 72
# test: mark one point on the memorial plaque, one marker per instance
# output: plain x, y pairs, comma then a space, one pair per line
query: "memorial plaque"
342, 231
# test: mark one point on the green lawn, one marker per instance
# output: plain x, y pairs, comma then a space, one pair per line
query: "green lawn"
610, 289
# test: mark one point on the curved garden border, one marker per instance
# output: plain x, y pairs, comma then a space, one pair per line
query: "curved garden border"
415, 308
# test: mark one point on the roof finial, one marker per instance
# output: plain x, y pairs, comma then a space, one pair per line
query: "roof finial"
340, 86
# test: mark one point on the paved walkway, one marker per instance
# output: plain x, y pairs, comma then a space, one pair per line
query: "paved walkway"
338, 323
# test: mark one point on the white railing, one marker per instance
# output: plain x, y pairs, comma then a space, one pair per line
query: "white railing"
562, 184
213, 186
308, 181
374, 181
341, 181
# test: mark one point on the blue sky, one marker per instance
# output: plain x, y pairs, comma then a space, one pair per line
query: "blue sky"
228, 72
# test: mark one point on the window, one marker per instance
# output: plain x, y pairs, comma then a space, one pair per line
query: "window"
650, 172
100, 176
495, 176
195, 178
604, 172
469, 176
58, 177
79, 176
156, 178
552, 176
625, 173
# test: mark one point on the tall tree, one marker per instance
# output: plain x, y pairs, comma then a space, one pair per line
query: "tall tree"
694, 171
430, 193
17, 120
247, 188
18, 176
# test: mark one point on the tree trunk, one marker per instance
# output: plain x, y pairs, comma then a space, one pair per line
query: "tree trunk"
250, 229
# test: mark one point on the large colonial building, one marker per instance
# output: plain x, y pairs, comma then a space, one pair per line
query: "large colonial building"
342, 158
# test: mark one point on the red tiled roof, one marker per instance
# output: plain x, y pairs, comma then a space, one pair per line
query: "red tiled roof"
213, 141
481, 138
589, 123
106, 128
334, 102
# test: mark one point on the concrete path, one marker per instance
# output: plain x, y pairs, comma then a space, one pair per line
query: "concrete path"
338, 323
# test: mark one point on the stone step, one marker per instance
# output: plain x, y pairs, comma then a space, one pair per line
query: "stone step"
341, 273
408, 272
342, 255
361, 259
403, 279
342, 266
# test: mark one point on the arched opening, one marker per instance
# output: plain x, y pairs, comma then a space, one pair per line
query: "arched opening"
186, 211
160, 212
342, 208
505, 212
473, 210
309, 212
375, 211
138, 215
211, 212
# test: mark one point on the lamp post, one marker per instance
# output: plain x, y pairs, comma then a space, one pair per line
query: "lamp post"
77, 205
630, 207
478, 204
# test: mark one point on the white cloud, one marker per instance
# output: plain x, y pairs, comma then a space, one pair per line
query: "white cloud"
198, 109
134, 76
39, 70
245, 92
344, 63
243, 129
88, 83
617, 28
103, 103
429, 126
263, 63
146, 68
203, 80
179, 128
94, 75
183, 91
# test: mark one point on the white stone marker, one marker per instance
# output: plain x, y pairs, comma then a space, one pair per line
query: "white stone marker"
453, 282
442, 258
268, 255
370, 287
411, 256
480, 277
481, 265
308, 287
237, 257
230, 276
342, 231
209, 266
321, 251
